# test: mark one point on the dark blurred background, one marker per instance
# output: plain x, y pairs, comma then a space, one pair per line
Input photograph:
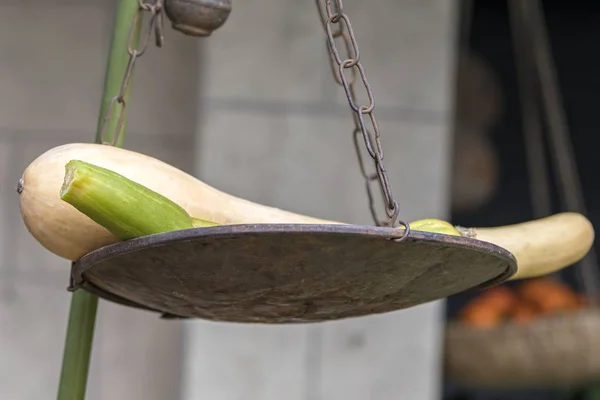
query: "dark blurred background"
574, 29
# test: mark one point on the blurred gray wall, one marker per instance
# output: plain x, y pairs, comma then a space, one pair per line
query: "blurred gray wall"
270, 126
52, 62
275, 129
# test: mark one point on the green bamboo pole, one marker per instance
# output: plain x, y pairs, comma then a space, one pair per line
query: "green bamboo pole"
82, 314
76, 357
118, 59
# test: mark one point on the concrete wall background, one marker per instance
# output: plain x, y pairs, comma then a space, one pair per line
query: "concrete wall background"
51, 76
276, 130
269, 117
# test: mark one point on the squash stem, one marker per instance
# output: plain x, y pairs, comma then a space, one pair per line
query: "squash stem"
202, 223
125, 208
82, 314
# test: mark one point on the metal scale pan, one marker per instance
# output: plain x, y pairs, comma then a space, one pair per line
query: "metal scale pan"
278, 273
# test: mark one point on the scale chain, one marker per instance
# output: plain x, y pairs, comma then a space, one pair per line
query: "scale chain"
156, 27
334, 14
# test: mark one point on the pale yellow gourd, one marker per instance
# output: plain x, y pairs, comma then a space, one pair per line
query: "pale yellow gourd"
540, 246
544, 245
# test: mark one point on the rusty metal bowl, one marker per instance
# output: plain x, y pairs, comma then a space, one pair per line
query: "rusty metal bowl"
281, 273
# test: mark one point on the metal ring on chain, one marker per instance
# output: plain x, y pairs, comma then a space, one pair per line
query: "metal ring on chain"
362, 126
339, 9
335, 67
353, 55
406, 232
151, 7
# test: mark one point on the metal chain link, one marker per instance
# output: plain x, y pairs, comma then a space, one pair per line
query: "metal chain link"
334, 15
156, 26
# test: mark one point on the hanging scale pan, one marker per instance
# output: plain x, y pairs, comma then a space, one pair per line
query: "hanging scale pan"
262, 264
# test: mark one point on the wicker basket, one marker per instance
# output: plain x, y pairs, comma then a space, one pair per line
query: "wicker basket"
550, 352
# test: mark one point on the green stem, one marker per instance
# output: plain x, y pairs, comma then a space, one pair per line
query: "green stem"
124, 207
82, 314
76, 357
118, 58
202, 223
